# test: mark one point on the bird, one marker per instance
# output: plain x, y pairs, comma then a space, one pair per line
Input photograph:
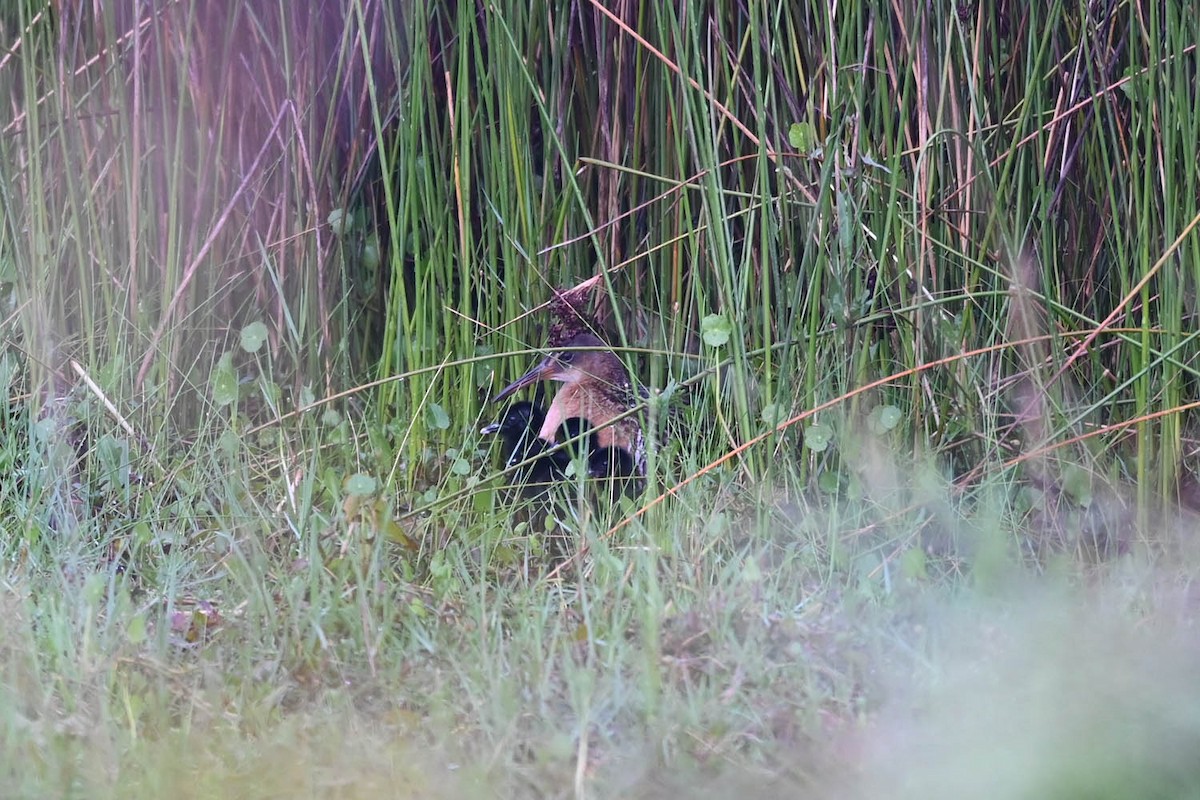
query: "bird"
538, 463
596, 388
610, 464
524, 451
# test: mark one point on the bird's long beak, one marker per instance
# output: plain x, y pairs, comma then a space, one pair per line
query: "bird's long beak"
544, 369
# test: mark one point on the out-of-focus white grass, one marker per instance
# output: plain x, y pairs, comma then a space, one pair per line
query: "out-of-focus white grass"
1073, 694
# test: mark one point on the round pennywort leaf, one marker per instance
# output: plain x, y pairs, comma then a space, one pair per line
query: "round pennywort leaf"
254, 336
360, 485
817, 437
716, 329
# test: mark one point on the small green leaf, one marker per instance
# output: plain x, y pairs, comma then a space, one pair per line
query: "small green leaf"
1030, 499
817, 437
44, 429
855, 490
883, 419
1135, 82
889, 417
827, 482
339, 221
254, 336
142, 532
229, 443
461, 467
113, 456
93, 587
224, 381
802, 136
1077, 484
307, 398
360, 485
772, 414
370, 252
136, 630
913, 564
716, 330
438, 418
751, 571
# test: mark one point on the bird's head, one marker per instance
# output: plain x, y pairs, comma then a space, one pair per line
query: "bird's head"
584, 360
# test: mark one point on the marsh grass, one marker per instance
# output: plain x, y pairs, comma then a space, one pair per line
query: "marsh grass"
919, 282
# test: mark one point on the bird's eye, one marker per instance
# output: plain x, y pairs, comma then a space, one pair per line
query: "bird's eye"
566, 357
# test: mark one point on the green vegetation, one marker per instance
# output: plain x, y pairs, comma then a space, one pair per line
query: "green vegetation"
915, 283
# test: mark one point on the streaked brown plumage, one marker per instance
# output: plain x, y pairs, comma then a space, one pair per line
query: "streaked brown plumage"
595, 388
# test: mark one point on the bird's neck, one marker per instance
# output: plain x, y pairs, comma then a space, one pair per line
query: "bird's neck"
566, 404
573, 400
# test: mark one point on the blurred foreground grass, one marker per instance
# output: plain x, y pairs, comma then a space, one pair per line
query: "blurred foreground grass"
1046, 691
